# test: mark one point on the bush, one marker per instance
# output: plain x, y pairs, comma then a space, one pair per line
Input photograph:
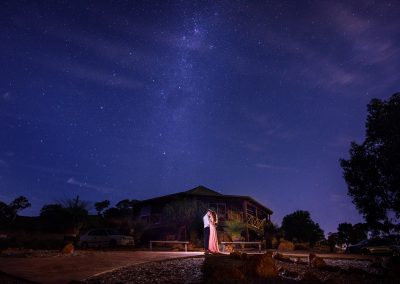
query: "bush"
234, 228
302, 246
36, 240
286, 245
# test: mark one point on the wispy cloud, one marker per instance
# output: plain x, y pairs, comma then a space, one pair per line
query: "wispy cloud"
357, 43
96, 75
371, 40
117, 64
86, 185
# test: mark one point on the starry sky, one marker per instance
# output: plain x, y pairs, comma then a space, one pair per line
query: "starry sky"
136, 99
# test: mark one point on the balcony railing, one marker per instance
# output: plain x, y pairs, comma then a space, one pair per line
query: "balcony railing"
250, 219
253, 221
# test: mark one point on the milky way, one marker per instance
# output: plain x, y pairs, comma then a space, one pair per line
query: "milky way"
115, 100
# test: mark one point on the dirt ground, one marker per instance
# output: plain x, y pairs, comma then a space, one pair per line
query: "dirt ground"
48, 267
54, 267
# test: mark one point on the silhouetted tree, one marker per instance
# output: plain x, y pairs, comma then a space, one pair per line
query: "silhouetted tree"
344, 232
126, 204
299, 227
332, 241
123, 214
55, 218
78, 210
69, 214
101, 206
372, 172
8, 212
349, 234
113, 213
3, 212
360, 232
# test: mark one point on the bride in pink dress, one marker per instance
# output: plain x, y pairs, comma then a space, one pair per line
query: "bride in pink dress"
213, 241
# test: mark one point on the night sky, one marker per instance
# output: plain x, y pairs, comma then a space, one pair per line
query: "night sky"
129, 99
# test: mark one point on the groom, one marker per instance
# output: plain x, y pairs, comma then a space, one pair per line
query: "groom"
206, 221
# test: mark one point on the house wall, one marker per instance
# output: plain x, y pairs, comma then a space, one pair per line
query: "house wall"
227, 208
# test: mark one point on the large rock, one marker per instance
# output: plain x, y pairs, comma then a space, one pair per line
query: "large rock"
238, 268
261, 265
68, 249
286, 246
223, 269
317, 262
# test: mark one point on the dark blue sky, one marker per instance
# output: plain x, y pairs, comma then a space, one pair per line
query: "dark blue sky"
129, 99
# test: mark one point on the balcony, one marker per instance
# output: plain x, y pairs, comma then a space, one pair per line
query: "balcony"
251, 220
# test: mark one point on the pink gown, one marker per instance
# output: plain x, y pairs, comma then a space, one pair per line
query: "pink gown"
213, 241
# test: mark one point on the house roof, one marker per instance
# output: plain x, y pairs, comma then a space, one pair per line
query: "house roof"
204, 191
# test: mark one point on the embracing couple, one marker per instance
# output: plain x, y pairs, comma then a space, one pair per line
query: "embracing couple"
210, 221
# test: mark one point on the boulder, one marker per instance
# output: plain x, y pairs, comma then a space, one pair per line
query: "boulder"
228, 275
261, 265
317, 262
286, 246
238, 267
68, 249
223, 269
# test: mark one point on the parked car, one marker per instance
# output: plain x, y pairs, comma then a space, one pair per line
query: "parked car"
374, 246
105, 238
